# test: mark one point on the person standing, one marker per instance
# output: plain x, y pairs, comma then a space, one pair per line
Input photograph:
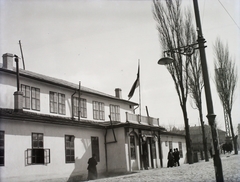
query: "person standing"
170, 159
176, 157
92, 168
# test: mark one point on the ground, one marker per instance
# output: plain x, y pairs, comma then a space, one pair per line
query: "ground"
197, 172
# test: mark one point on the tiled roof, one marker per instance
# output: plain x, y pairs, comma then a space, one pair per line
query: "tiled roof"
58, 120
44, 118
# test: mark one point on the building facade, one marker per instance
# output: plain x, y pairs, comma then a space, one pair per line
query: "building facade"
49, 128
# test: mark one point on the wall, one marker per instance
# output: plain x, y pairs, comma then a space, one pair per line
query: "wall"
175, 140
18, 140
8, 87
116, 155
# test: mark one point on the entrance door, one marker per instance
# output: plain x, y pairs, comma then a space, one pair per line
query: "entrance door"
145, 154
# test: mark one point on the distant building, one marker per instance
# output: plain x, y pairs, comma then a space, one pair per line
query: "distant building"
196, 137
49, 128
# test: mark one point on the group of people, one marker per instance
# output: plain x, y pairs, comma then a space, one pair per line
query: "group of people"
173, 158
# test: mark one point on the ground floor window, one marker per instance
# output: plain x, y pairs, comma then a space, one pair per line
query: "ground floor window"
132, 147
69, 149
95, 147
1, 148
180, 149
37, 154
170, 145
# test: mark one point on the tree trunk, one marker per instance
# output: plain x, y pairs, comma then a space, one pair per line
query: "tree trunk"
203, 136
233, 136
188, 139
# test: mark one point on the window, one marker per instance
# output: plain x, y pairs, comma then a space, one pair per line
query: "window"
35, 98
37, 154
61, 104
95, 147
26, 96
132, 147
180, 149
53, 102
1, 148
153, 149
98, 110
69, 149
57, 103
170, 145
115, 113
83, 103
37, 148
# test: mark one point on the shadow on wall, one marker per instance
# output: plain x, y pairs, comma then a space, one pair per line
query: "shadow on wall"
80, 171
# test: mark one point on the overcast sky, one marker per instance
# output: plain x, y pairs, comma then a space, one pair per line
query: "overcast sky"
100, 42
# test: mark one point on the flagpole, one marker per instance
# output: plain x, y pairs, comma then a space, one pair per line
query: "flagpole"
140, 113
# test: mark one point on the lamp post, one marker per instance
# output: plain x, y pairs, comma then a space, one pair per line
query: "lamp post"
211, 116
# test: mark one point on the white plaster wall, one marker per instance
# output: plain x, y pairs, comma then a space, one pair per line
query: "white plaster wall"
18, 140
8, 87
165, 149
116, 153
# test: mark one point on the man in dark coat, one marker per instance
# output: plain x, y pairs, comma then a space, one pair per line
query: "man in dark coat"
170, 159
176, 157
92, 168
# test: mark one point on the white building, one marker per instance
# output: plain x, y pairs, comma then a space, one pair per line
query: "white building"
42, 136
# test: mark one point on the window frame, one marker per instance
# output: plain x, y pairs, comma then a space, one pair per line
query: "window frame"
98, 110
180, 150
35, 98
83, 108
170, 143
26, 96
37, 151
114, 112
61, 104
69, 148
95, 147
53, 99
132, 146
2, 148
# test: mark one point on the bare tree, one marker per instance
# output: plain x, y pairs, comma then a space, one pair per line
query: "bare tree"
195, 83
226, 80
175, 30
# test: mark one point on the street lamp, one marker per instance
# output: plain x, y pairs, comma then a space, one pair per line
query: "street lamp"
188, 50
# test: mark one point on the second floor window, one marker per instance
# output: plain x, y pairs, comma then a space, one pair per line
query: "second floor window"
35, 98
98, 110
115, 113
26, 96
57, 103
31, 97
83, 103
61, 104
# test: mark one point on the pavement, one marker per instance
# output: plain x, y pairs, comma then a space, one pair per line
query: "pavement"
198, 172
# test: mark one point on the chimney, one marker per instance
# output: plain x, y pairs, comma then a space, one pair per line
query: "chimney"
18, 101
8, 61
118, 93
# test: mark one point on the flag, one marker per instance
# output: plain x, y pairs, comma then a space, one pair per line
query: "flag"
135, 85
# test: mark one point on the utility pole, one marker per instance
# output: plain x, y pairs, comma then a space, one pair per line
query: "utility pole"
211, 116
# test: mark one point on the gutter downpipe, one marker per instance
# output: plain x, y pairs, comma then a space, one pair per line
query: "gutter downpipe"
72, 103
105, 142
